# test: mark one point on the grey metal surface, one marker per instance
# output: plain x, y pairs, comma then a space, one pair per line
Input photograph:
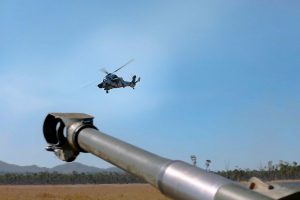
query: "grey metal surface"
71, 133
175, 179
126, 156
237, 192
184, 181
273, 190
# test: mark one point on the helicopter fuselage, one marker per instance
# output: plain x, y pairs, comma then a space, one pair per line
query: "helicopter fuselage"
113, 81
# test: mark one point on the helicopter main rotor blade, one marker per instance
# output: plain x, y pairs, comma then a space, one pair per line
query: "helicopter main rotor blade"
104, 70
123, 65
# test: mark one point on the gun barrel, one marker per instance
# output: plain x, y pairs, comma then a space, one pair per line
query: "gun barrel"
126, 156
175, 179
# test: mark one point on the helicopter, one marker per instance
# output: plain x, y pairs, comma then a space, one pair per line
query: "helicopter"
111, 80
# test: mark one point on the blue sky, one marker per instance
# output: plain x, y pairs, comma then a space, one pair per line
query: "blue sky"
220, 79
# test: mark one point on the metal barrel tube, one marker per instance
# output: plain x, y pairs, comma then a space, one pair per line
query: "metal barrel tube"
175, 179
128, 157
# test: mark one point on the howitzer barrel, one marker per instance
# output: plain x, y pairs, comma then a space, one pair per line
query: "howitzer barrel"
69, 134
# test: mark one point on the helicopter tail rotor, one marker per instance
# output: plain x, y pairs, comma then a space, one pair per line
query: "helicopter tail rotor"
134, 81
139, 79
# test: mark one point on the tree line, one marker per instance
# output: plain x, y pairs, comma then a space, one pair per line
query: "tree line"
281, 171
43, 178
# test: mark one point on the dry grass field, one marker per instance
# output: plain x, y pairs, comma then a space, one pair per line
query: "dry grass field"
81, 192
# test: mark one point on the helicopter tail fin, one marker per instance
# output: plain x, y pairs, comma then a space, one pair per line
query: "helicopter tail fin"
134, 81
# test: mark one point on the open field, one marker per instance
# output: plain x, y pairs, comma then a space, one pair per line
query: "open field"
81, 192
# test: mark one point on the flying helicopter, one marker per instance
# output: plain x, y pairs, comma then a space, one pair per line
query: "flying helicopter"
111, 80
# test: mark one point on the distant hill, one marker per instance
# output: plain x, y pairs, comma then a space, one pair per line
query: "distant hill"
75, 166
7, 168
66, 168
